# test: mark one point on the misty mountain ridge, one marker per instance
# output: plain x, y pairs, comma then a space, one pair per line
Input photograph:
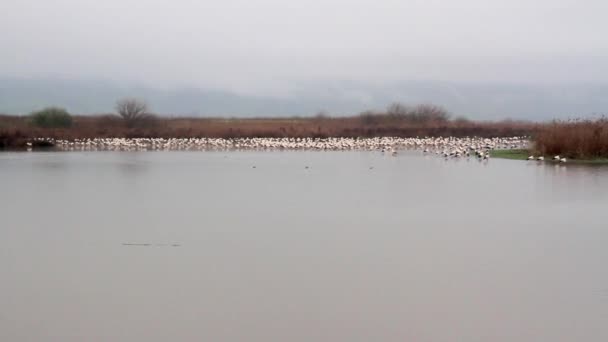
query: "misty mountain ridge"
481, 101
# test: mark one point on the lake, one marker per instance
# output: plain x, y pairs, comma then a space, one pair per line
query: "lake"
300, 246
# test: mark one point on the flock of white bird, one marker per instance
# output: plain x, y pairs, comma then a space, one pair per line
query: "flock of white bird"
555, 158
448, 147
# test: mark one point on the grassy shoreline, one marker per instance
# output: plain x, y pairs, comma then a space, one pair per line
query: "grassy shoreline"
511, 154
580, 141
524, 154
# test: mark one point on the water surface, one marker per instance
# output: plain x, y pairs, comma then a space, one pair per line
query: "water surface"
254, 246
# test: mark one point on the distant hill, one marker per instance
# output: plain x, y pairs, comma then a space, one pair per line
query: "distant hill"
473, 100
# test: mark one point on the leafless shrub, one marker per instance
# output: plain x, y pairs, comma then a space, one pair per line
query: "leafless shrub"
399, 114
397, 111
370, 118
133, 111
429, 113
462, 120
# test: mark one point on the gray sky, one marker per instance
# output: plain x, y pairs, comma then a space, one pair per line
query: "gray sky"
261, 46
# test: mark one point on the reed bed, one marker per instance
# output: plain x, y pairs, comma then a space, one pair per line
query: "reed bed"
578, 139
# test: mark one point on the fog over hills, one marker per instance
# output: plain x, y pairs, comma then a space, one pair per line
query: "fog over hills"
484, 59
479, 100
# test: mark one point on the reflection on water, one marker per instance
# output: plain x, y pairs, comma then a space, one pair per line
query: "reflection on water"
358, 246
131, 163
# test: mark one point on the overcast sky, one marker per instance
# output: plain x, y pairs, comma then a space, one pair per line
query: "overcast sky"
262, 46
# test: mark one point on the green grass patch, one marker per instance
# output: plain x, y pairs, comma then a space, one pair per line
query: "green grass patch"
511, 154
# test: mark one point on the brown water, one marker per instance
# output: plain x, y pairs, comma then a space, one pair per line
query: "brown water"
358, 247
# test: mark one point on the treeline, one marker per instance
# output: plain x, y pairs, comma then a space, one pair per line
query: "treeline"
397, 113
134, 119
581, 139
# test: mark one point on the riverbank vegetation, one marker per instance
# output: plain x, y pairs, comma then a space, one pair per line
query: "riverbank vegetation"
51, 117
524, 154
574, 139
516, 154
397, 121
579, 139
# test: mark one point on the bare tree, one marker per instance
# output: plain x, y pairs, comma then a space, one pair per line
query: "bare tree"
132, 110
423, 113
370, 117
397, 109
430, 113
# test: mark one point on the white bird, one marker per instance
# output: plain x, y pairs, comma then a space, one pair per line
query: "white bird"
531, 158
541, 158
442, 146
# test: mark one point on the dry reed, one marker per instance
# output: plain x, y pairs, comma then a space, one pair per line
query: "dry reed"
580, 139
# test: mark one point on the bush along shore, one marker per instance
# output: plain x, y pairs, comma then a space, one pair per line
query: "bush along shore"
578, 141
575, 140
